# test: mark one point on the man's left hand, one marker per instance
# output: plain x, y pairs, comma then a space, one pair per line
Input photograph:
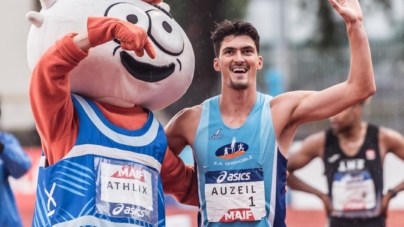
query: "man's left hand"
385, 204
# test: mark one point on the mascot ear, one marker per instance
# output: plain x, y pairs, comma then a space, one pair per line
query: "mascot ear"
47, 3
165, 6
35, 18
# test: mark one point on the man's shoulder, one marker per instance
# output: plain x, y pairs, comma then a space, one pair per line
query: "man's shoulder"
187, 115
191, 112
318, 137
387, 133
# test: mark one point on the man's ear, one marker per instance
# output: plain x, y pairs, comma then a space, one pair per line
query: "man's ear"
216, 64
260, 62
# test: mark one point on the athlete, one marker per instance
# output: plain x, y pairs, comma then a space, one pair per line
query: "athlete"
241, 138
353, 152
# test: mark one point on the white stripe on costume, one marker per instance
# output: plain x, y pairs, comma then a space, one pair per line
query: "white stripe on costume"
136, 141
42, 161
90, 149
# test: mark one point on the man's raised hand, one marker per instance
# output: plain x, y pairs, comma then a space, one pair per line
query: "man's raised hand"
350, 10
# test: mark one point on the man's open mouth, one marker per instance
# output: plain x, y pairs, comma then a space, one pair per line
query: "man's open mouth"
144, 71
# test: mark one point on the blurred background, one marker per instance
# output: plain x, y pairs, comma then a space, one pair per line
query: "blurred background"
304, 46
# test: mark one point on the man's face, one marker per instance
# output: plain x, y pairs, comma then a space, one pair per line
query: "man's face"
238, 61
343, 121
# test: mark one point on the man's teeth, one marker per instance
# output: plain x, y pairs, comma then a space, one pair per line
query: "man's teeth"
239, 70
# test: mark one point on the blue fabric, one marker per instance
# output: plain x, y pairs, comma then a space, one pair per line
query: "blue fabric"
14, 162
88, 186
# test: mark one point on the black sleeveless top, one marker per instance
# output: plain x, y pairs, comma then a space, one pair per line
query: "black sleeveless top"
355, 184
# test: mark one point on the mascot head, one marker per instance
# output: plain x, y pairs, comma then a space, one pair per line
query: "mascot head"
110, 74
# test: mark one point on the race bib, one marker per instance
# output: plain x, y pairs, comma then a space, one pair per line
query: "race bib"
127, 190
235, 195
353, 192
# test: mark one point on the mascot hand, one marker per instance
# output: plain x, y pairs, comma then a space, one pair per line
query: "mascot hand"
153, 1
131, 37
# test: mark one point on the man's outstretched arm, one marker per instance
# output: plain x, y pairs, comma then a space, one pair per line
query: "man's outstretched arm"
305, 106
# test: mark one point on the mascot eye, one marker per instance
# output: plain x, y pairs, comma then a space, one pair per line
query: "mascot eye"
132, 18
165, 33
130, 13
167, 27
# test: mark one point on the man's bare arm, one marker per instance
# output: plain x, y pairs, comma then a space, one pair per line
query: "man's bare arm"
181, 129
394, 142
179, 179
310, 149
305, 106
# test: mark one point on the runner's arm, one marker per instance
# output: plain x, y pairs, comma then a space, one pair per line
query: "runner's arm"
310, 149
180, 179
395, 144
303, 106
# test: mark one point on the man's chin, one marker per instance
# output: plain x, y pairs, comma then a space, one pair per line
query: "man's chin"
239, 87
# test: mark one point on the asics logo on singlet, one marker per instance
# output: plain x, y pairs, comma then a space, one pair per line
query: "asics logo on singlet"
333, 158
233, 177
217, 135
128, 210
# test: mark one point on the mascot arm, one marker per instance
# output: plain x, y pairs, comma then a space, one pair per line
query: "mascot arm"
179, 179
131, 37
153, 1
50, 99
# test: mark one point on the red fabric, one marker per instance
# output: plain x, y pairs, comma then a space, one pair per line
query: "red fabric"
52, 106
57, 122
179, 179
131, 37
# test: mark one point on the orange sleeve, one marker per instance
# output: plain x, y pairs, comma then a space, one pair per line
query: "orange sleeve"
50, 99
179, 179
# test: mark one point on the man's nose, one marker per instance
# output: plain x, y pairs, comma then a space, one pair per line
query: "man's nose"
239, 57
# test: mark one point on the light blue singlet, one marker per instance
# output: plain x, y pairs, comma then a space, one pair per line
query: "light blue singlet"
241, 173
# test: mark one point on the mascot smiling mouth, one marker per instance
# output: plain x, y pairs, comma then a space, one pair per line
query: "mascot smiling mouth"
144, 71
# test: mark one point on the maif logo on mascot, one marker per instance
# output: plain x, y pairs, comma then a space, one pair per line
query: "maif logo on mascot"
99, 69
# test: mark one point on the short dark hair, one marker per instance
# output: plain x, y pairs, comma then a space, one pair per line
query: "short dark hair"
236, 28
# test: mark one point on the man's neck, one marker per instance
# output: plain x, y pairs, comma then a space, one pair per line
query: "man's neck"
236, 105
233, 101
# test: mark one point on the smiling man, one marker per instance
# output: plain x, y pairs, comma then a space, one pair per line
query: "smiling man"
241, 138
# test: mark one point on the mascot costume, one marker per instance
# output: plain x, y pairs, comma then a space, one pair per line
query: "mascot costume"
98, 70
